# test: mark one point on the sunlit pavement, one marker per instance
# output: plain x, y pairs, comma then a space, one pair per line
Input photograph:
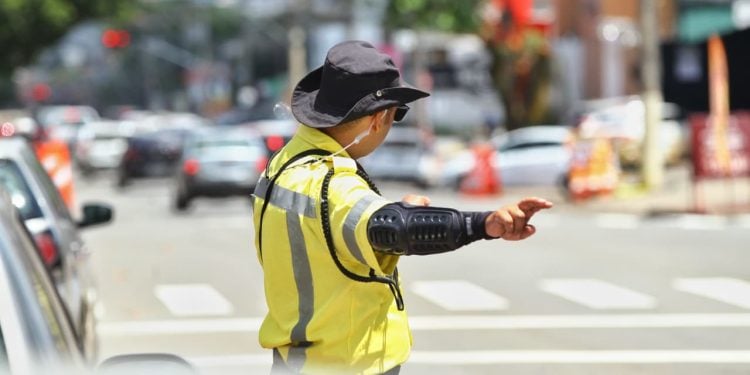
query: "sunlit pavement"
592, 292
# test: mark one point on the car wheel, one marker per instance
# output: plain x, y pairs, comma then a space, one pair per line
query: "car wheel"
122, 179
562, 185
182, 202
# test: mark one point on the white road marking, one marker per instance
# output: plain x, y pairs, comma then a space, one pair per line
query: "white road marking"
588, 321
617, 221
235, 360
701, 222
742, 221
731, 291
444, 323
179, 326
459, 295
546, 220
597, 294
193, 300
485, 357
579, 356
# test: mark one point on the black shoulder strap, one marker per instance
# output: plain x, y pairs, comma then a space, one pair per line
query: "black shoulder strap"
272, 183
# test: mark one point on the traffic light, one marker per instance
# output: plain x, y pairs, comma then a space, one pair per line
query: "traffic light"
114, 38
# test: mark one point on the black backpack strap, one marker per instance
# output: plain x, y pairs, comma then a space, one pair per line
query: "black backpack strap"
272, 183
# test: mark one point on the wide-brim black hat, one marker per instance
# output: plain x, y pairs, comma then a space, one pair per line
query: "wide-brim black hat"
354, 81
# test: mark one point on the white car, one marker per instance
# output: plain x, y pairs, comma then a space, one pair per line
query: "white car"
622, 121
535, 155
100, 145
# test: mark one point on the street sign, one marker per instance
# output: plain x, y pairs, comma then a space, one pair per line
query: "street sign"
706, 163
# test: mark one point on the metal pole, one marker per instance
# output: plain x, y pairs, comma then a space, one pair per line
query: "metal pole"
652, 168
297, 52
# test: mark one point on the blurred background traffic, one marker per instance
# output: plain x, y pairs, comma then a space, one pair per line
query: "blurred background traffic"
630, 115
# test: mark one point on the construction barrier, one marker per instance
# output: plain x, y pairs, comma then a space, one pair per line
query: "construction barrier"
55, 158
594, 169
482, 180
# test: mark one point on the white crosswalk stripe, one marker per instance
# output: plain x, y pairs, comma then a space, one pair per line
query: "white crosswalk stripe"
617, 221
193, 300
742, 221
443, 323
735, 292
597, 294
459, 295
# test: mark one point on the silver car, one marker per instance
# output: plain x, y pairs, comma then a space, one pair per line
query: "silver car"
55, 233
38, 335
219, 163
403, 156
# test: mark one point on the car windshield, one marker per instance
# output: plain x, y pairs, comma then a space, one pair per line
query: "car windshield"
20, 194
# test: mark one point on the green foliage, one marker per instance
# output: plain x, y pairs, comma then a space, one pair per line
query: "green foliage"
441, 15
31, 25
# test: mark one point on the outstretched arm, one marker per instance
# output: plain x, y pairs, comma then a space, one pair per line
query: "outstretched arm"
406, 229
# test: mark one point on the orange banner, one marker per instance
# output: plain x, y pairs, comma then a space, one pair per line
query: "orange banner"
718, 91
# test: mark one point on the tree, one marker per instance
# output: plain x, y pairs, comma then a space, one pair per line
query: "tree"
521, 60
442, 15
31, 25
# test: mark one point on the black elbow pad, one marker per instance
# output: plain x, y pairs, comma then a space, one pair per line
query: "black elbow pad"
403, 229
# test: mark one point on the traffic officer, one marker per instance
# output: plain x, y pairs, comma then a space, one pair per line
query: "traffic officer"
328, 242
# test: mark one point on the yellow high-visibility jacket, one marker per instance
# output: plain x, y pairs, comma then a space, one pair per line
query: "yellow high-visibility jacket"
319, 319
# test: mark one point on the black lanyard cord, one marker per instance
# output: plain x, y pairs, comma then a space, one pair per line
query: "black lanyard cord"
272, 183
392, 282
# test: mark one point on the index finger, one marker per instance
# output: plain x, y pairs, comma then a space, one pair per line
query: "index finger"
533, 204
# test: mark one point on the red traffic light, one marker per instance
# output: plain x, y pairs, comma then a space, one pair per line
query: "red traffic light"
113, 38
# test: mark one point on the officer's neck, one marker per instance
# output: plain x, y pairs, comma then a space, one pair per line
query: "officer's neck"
345, 134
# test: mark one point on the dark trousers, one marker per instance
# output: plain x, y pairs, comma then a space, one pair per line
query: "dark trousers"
280, 367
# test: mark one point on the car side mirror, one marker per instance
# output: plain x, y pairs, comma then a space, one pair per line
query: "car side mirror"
146, 363
95, 213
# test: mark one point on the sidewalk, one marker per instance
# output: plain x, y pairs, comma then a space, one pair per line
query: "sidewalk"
676, 196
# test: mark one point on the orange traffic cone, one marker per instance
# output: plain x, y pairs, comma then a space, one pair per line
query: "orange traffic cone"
55, 158
482, 180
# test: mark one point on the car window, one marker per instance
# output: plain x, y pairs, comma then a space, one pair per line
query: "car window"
48, 188
13, 182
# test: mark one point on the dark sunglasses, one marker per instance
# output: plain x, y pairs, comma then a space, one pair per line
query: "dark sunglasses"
400, 113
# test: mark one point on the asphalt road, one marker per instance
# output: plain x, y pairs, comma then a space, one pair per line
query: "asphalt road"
590, 293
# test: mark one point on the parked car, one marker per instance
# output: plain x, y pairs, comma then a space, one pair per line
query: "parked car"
38, 334
151, 154
403, 156
55, 232
535, 155
623, 121
219, 163
100, 145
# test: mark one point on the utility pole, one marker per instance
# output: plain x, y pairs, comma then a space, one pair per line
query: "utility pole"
652, 167
297, 37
